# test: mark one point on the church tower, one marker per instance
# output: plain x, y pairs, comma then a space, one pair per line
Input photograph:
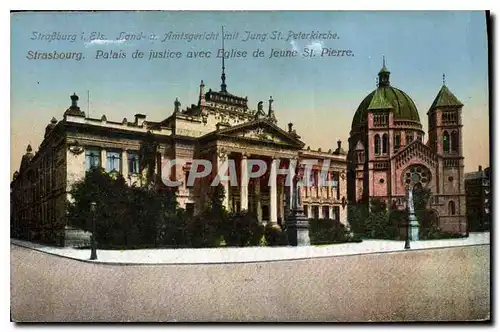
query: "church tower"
445, 138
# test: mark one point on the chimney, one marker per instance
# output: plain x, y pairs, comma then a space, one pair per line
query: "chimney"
480, 168
139, 119
290, 127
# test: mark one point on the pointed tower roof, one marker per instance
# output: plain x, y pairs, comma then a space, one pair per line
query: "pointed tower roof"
445, 98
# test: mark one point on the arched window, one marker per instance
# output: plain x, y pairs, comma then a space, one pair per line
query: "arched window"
446, 142
454, 141
397, 141
385, 143
416, 176
451, 208
377, 144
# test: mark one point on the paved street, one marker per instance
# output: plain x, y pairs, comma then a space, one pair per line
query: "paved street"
433, 284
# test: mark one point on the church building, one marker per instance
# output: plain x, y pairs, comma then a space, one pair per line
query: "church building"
388, 152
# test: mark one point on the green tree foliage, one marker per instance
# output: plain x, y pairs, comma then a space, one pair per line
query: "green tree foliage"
326, 231
275, 236
357, 216
242, 229
125, 216
205, 229
378, 223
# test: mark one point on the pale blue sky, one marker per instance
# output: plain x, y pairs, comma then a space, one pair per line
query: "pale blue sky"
319, 95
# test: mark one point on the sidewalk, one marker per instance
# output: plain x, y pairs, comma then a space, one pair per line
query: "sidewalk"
249, 254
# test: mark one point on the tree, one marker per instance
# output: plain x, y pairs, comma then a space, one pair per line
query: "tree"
357, 215
147, 157
125, 216
205, 229
242, 229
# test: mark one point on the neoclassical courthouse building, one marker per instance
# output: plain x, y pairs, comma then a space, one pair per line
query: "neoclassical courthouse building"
221, 126
387, 153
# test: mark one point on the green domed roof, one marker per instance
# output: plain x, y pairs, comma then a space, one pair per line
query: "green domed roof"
387, 97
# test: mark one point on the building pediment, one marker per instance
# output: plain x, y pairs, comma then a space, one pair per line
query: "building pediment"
416, 149
257, 131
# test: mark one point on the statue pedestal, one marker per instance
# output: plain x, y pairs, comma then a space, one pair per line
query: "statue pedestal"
414, 227
297, 228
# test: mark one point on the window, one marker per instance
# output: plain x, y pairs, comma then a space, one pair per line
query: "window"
419, 138
446, 141
306, 211
312, 178
326, 212
451, 208
377, 144
92, 158
113, 161
397, 141
454, 141
409, 139
315, 211
133, 162
336, 213
336, 185
416, 175
324, 178
385, 144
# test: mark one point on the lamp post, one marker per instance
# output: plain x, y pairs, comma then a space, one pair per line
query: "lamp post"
297, 224
93, 245
407, 238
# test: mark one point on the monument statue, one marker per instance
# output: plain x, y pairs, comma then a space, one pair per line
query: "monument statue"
412, 218
297, 224
296, 199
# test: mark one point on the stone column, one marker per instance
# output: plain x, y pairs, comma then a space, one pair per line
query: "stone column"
291, 174
125, 165
318, 183
273, 194
320, 211
258, 203
103, 158
244, 183
221, 157
281, 202
329, 187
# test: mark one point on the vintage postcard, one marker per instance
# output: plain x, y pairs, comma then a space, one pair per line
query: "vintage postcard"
239, 166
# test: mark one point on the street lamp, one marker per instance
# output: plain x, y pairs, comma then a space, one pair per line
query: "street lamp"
407, 239
93, 249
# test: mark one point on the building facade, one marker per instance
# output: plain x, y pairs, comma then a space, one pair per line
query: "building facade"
478, 198
221, 128
388, 153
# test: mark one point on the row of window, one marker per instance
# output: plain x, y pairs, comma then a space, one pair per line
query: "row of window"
314, 213
113, 161
323, 178
382, 142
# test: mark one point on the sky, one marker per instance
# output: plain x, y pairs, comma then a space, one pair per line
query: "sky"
319, 95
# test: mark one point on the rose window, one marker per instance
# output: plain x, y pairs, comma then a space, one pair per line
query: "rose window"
416, 176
